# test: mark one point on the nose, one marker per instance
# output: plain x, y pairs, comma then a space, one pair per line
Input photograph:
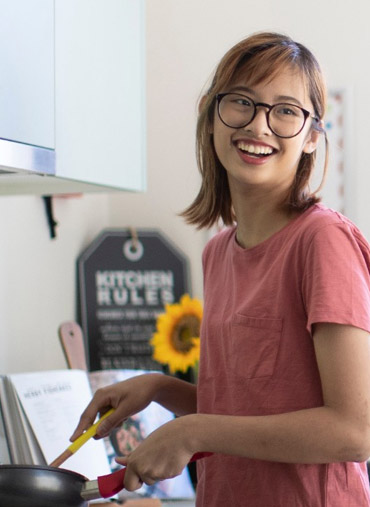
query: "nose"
259, 125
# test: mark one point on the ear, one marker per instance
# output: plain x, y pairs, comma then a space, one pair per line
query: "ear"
313, 138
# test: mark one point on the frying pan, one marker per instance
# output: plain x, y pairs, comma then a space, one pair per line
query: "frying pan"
45, 486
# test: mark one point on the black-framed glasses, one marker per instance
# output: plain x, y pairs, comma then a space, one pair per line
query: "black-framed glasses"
285, 120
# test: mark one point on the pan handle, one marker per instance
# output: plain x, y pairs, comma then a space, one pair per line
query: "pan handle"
109, 485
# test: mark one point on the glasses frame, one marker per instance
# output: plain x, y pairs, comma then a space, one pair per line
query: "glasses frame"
269, 107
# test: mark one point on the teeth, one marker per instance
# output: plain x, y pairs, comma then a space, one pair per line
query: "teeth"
255, 149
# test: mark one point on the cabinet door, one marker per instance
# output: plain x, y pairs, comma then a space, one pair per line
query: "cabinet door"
27, 71
100, 89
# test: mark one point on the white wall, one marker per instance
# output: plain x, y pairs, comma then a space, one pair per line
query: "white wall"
37, 289
185, 40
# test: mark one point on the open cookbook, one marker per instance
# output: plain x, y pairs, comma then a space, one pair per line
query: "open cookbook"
40, 410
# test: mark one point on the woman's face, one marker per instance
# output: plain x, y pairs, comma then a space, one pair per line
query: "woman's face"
272, 169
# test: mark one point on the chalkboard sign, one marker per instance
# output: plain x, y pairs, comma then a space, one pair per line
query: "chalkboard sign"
125, 279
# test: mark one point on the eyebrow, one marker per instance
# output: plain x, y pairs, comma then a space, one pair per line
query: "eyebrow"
278, 98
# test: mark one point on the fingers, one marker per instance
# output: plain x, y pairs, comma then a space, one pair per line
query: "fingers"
103, 400
133, 478
127, 397
133, 481
121, 460
106, 426
86, 420
137, 474
88, 417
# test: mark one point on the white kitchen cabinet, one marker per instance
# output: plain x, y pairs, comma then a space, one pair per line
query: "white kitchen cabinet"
100, 89
27, 80
99, 99
27, 71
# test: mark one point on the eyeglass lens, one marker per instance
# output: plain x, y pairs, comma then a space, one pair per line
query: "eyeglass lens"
236, 111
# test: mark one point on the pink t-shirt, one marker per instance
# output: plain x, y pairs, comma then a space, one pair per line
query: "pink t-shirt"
257, 355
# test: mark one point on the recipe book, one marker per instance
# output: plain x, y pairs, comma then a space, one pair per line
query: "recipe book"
40, 410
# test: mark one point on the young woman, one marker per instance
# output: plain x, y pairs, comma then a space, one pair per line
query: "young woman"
283, 396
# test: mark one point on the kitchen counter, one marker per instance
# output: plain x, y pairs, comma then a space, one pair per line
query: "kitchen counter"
178, 503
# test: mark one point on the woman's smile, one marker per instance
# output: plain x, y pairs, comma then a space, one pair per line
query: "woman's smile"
254, 152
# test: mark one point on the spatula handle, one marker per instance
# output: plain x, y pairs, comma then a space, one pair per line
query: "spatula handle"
90, 432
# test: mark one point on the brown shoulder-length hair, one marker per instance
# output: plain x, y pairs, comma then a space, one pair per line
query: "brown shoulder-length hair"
259, 57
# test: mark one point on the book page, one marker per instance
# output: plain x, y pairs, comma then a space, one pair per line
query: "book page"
30, 445
53, 402
14, 431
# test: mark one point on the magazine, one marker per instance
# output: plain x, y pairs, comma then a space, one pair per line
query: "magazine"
124, 439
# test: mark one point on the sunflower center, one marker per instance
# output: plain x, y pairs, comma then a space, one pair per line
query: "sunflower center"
187, 327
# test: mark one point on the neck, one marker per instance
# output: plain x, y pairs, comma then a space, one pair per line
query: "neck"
258, 220
259, 211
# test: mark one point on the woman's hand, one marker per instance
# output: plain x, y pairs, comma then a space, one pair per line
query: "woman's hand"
132, 396
162, 455
128, 397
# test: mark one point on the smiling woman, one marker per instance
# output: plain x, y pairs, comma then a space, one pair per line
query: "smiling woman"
242, 68
283, 392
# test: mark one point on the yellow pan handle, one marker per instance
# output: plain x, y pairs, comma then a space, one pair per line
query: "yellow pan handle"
90, 432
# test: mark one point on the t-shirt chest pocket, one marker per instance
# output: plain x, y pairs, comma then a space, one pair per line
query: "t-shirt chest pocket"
254, 345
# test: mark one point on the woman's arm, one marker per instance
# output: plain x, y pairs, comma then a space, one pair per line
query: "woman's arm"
337, 431
176, 395
134, 395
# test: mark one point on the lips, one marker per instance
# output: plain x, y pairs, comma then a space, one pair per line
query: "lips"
254, 152
256, 149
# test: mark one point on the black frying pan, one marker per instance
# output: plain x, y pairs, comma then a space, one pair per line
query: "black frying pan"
43, 486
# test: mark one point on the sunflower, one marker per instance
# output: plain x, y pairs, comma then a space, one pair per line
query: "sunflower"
176, 341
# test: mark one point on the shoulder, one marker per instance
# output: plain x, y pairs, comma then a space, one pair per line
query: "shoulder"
322, 224
334, 241
219, 243
336, 271
319, 216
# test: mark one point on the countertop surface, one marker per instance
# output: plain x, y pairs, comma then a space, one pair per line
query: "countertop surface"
178, 503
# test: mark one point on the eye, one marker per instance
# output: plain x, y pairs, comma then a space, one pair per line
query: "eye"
242, 101
287, 110
238, 102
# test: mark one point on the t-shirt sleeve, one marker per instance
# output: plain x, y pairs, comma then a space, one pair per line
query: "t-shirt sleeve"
336, 280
